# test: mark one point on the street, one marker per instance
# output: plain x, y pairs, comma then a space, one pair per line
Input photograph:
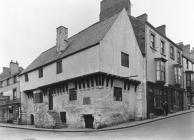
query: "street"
175, 128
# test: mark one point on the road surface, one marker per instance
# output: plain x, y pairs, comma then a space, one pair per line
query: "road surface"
176, 128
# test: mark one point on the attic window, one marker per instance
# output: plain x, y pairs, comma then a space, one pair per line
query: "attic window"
124, 59
40, 72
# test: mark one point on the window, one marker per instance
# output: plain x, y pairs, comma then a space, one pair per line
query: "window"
124, 59
178, 57
160, 70
162, 45
1, 84
86, 101
152, 40
188, 79
187, 63
117, 94
59, 67
38, 98
72, 94
172, 52
26, 78
63, 117
8, 82
14, 94
40, 72
14, 79
177, 72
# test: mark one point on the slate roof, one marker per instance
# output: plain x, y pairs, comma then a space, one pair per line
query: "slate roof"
83, 40
4, 76
139, 29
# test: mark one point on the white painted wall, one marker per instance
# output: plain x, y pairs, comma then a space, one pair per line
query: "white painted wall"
121, 38
82, 63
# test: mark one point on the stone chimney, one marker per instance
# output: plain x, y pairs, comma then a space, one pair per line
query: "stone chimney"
162, 29
62, 36
186, 49
143, 17
6, 70
109, 8
14, 67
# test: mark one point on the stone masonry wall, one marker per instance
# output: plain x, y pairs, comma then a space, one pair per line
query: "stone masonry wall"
103, 108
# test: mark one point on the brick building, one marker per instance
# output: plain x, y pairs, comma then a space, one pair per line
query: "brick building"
10, 93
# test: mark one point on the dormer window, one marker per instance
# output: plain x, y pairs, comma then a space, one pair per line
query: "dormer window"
160, 70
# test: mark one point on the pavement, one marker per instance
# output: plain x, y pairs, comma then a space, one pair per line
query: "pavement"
116, 127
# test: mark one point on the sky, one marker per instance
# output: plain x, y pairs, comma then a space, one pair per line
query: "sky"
28, 27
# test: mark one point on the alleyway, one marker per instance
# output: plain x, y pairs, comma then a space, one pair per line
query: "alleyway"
177, 128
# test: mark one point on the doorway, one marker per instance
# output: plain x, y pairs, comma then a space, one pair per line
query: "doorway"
32, 119
89, 120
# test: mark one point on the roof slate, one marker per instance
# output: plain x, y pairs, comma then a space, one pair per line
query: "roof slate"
84, 39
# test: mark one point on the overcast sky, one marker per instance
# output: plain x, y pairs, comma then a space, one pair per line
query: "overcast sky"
28, 27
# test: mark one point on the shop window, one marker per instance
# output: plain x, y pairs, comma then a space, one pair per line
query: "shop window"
117, 94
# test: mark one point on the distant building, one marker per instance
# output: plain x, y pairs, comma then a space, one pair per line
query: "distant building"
90, 80
188, 71
10, 93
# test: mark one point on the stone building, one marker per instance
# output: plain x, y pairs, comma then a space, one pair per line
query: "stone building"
93, 79
10, 93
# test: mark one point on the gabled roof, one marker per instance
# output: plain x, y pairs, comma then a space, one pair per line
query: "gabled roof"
4, 76
139, 29
87, 38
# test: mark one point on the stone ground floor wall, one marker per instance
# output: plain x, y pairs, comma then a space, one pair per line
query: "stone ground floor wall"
101, 106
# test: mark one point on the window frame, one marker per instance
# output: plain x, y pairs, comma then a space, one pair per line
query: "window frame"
178, 75
59, 67
116, 95
162, 47
40, 72
178, 57
38, 98
26, 77
172, 54
14, 94
124, 59
152, 42
72, 94
160, 70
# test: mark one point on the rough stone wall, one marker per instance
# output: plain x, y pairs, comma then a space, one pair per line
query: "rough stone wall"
103, 108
